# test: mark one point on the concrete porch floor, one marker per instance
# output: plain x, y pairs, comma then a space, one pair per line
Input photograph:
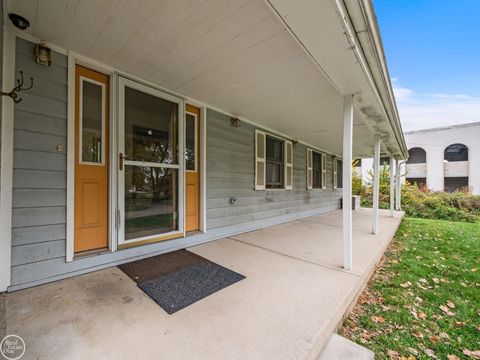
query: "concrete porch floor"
294, 296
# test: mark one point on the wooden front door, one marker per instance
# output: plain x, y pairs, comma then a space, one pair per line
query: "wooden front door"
192, 168
91, 160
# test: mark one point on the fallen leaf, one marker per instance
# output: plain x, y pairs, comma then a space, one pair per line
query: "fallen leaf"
444, 335
392, 354
434, 339
446, 310
422, 315
406, 284
377, 319
450, 304
473, 354
453, 357
413, 351
417, 334
430, 353
474, 270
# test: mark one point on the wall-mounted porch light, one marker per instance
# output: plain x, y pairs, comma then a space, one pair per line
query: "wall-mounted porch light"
43, 54
235, 122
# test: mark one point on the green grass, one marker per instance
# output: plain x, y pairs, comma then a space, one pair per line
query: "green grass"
430, 264
148, 222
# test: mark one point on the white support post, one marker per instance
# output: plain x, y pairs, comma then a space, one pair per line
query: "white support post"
376, 185
398, 184
6, 162
347, 181
392, 185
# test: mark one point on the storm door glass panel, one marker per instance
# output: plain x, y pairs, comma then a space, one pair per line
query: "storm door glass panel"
151, 165
150, 201
150, 128
190, 142
92, 122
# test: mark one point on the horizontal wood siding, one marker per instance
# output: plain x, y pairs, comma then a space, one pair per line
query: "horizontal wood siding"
39, 183
231, 174
39, 175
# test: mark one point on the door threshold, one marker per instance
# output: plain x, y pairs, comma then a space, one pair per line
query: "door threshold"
192, 233
89, 253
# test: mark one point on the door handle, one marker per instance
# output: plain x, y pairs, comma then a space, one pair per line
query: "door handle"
121, 158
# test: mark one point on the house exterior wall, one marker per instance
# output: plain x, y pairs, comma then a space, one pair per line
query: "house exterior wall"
39, 183
230, 173
434, 142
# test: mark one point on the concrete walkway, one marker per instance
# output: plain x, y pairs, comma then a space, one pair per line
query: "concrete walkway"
294, 296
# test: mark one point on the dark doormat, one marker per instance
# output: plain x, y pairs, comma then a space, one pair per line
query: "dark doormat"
178, 279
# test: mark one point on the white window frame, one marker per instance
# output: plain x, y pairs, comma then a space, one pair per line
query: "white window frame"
335, 172
334, 167
323, 170
285, 141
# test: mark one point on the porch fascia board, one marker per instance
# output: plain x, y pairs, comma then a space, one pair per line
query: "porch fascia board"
362, 11
374, 76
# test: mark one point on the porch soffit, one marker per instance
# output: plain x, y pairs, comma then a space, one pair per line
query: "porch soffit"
235, 55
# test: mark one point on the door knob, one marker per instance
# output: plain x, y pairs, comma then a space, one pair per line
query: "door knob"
120, 161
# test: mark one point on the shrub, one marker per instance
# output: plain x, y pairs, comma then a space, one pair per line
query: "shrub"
421, 202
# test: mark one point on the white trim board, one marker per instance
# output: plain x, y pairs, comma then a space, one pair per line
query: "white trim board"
6, 169
202, 166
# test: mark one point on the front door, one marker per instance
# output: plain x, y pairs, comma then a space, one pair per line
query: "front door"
91, 160
150, 166
192, 168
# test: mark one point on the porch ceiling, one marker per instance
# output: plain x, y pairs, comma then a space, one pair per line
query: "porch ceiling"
235, 55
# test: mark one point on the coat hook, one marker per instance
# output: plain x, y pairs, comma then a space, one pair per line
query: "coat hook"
14, 93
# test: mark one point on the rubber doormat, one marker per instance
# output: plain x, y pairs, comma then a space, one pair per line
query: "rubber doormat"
178, 279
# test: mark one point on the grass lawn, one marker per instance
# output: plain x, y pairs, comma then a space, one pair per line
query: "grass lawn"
423, 302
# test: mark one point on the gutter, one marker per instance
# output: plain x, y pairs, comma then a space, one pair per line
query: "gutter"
367, 36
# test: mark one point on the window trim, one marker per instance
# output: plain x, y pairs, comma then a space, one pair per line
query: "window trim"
335, 172
286, 165
323, 171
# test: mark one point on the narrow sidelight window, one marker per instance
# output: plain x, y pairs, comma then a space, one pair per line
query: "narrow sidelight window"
92, 121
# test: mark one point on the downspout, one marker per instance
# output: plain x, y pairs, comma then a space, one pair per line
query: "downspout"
398, 184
